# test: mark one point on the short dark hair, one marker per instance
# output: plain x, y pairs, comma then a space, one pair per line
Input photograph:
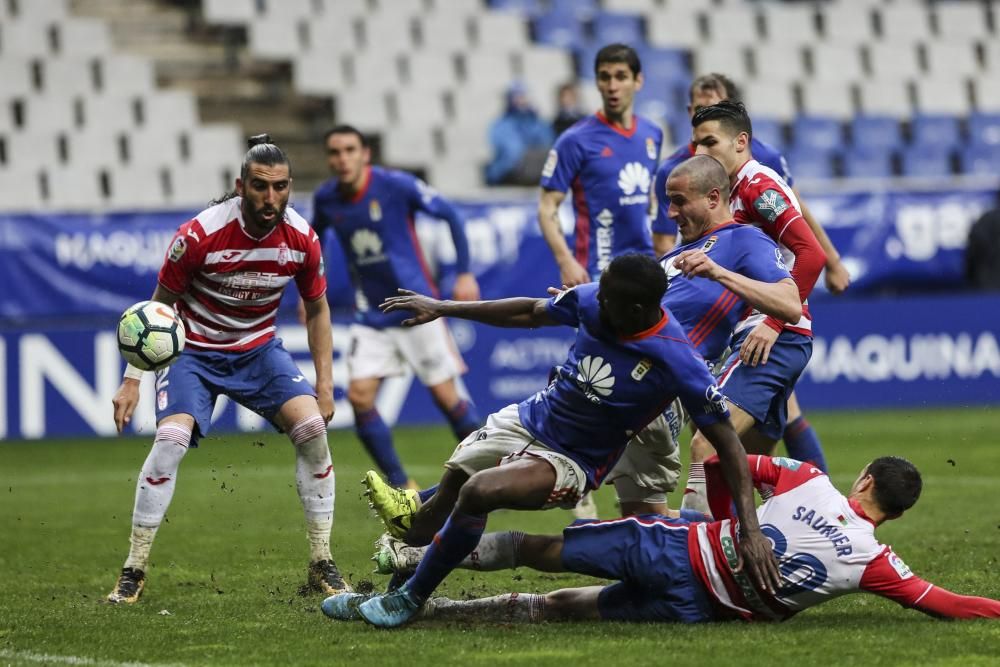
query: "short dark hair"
261, 150
637, 278
731, 115
897, 484
346, 129
618, 53
720, 84
705, 173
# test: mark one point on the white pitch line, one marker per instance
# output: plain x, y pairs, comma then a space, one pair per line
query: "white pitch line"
30, 656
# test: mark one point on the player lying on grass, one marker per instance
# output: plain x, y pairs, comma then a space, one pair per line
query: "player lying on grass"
630, 359
226, 271
671, 570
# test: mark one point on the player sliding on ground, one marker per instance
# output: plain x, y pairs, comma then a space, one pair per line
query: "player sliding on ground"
672, 570
226, 271
630, 359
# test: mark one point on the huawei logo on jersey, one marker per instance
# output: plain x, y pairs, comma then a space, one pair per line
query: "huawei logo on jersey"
634, 181
367, 247
594, 377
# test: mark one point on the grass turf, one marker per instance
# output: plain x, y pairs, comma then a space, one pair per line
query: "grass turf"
228, 563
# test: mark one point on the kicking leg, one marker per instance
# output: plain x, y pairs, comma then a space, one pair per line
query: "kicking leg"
153, 493
315, 480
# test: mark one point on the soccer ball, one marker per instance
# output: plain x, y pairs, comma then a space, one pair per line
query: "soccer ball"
150, 335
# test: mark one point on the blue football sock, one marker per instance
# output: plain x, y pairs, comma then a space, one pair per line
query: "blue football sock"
464, 419
426, 494
803, 444
455, 541
377, 439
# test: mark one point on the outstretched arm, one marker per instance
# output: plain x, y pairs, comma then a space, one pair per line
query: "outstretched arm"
518, 312
889, 577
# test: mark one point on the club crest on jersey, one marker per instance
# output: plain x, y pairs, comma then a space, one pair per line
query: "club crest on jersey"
712, 240
374, 210
550, 164
594, 377
651, 148
284, 254
641, 369
177, 249
770, 204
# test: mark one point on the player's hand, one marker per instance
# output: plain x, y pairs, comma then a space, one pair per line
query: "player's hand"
837, 278
556, 291
125, 400
757, 347
757, 558
698, 263
572, 274
424, 308
466, 288
324, 397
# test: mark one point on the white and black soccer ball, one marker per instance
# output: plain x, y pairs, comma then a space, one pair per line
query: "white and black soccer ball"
150, 335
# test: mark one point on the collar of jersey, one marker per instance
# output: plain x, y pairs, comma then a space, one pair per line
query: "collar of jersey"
741, 173
715, 229
363, 190
856, 506
618, 128
651, 330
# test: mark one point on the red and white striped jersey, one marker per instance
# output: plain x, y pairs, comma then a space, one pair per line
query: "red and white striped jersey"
825, 546
231, 283
760, 197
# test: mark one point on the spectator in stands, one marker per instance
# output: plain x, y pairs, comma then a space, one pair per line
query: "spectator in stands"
982, 254
520, 140
568, 110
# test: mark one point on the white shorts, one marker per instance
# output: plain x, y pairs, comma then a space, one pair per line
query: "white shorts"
428, 349
651, 465
504, 440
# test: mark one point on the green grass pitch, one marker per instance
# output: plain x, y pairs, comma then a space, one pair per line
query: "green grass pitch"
222, 587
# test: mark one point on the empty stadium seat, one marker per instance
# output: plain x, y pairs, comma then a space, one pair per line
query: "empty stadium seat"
445, 31
886, 97
562, 30
770, 99
847, 23
408, 146
778, 62
16, 74
678, 26
529, 7
960, 21
984, 129
318, 74
876, 132
935, 131
893, 60
825, 98
738, 25
733, 62
904, 22
500, 32
19, 190
770, 131
416, 108
817, 133
431, 72
811, 163
68, 189
949, 59
836, 63
980, 160
923, 162
610, 28
789, 24
945, 95
664, 65
868, 163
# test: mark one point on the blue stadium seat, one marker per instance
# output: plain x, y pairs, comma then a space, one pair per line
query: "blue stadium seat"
529, 7
664, 66
817, 132
770, 131
871, 132
580, 9
982, 160
585, 54
680, 129
984, 129
609, 27
562, 30
926, 161
935, 130
867, 163
811, 163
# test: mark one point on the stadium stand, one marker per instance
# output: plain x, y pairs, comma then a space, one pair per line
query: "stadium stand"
83, 90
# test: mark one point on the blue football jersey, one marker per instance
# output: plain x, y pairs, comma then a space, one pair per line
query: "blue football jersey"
609, 388
376, 231
609, 171
763, 152
707, 311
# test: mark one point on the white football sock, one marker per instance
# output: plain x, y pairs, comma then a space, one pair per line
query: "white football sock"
315, 481
586, 508
155, 488
495, 551
507, 608
696, 493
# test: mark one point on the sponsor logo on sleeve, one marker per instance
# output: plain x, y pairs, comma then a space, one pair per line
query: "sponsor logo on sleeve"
177, 249
770, 204
715, 401
901, 568
641, 369
550, 164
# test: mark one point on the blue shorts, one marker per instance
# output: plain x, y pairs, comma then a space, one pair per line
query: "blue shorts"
262, 379
762, 391
649, 556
